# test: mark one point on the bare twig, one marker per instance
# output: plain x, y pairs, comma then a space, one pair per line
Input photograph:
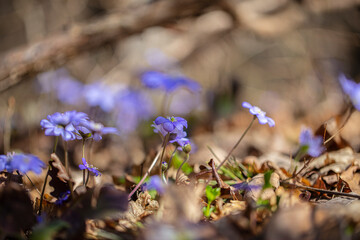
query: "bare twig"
294, 185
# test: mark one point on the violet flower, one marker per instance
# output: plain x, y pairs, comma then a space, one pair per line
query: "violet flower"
174, 126
310, 144
94, 130
261, 115
24, 163
352, 89
155, 183
63, 124
98, 94
167, 82
132, 106
93, 170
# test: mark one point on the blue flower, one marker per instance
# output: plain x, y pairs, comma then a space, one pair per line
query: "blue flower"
24, 163
63, 124
167, 82
132, 107
96, 129
261, 115
155, 183
352, 89
310, 144
174, 126
63, 198
93, 170
67, 89
98, 94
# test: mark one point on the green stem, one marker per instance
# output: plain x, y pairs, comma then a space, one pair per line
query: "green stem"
166, 139
182, 164
145, 176
83, 155
169, 164
237, 143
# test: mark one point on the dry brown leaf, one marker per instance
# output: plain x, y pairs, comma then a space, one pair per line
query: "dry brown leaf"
233, 207
352, 178
62, 174
339, 160
255, 187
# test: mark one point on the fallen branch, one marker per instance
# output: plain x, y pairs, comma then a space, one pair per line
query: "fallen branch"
293, 185
56, 50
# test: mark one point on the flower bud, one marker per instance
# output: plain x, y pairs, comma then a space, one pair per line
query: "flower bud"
187, 148
164, 166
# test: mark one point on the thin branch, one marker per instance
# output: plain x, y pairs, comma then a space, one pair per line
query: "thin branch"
286, 184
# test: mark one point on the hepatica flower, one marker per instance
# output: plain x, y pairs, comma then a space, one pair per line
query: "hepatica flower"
93, 170
96, 130
167, 82
155, 183
260, 114
98, 94
174, 126
310, 144
63, 124
352, 89
24, 163
63, 198
132, 107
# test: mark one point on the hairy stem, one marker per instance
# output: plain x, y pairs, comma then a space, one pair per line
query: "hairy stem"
237, 143
145, 176
182, 164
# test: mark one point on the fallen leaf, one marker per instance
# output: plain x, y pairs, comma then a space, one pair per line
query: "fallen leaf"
352, 178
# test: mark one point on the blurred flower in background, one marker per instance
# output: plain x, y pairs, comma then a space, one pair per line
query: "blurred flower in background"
67, 89
132, 106
101, 95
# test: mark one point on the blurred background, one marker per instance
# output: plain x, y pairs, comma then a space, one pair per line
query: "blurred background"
90, 55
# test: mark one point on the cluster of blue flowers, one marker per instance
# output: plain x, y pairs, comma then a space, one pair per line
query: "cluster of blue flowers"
73, 125
130, 106
173, 127
23, 163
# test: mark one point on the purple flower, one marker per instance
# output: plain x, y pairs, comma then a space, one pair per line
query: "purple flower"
171, 125
93, 170
352, 89
24, 163
167, 82
98, 94
184, 144
155, 183
261, 115
63, 124
246, 186
62, 198
95, 129
132, 107
310, 144
67, 89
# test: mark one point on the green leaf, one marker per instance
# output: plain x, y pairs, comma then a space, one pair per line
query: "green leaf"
48, 231
177, 160
212, 193
267, 177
